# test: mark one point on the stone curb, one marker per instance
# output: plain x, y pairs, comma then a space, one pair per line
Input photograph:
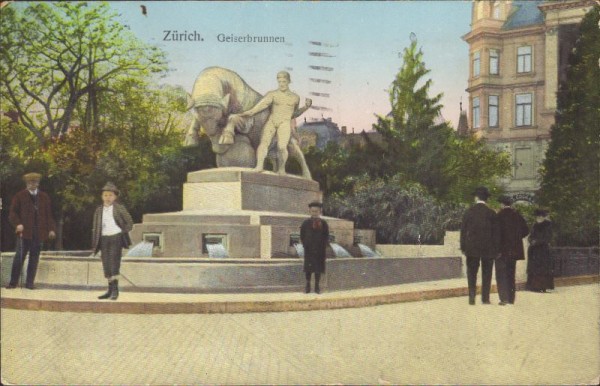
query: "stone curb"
225, 306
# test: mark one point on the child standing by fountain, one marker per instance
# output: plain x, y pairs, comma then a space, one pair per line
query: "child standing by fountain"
110, 234
314, 235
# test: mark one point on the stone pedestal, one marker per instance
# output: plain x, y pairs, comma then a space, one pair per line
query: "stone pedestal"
255, 215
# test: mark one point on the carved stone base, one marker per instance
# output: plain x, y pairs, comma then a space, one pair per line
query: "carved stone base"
255, 215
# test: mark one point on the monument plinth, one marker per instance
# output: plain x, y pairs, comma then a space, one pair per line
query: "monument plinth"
251, 214
244, 189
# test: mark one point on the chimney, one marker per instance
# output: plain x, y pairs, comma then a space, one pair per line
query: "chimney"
344, 130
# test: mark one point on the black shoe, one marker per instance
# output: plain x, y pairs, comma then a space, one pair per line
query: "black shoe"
108, 293
29, 286
11, 286
317, 290
115, 291
307, 289
502, 303
485, 302
472, 302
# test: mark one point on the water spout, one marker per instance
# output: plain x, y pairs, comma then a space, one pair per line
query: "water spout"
216, 250
299, 249
367, 252
339, 251
142, 249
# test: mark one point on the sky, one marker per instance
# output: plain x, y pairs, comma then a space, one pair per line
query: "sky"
363, 42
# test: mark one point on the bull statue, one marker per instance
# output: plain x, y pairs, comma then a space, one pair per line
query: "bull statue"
218, 100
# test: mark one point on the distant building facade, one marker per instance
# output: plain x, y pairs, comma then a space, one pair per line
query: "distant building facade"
518, 53
318, 133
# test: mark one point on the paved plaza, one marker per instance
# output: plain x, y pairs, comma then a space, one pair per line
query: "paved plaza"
543, 339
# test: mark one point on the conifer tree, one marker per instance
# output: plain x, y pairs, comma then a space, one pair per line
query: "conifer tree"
415, 141
570, 185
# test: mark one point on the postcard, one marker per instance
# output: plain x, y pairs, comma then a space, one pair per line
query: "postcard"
296, 192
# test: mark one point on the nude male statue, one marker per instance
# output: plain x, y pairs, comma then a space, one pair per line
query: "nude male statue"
284, 107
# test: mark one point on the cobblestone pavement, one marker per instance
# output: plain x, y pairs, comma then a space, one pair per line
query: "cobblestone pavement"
543, 339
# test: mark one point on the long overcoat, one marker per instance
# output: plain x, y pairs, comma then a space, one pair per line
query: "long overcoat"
538, 253
314, 240
513, 228
22, 212
479, 232
123, 220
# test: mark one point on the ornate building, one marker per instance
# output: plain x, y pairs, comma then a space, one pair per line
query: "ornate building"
518, 54
318, 133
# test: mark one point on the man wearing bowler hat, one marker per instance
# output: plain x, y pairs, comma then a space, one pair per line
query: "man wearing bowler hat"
513, 228
314, 234
110, 234
31, 215
479, 241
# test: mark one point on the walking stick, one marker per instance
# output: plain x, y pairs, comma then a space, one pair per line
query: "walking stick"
21, 261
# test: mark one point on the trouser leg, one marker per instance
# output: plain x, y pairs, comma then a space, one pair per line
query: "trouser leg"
307, 288
502, 280
317, 279
111, 255
511, 268
17, 265
472, 268
487, 265
34, 259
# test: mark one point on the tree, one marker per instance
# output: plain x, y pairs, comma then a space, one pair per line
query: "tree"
415, 142
471, 163
57, 57
328, 167
400, 211
428, 151
570, 184
88, 111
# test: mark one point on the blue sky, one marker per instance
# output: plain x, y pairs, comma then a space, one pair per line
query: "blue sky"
366, 40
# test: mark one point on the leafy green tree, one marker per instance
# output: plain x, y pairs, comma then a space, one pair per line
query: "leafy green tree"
401, 212
82, 88
328, 167
57, 56
570, 184
471, 163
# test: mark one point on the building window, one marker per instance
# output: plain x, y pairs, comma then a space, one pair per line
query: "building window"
476, 63
494, 62
493, 111
479, 10
497, 11
523, 109
476, 112
524, 59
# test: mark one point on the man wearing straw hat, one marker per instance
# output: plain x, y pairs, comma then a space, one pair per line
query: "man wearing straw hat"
31, 215
110, 234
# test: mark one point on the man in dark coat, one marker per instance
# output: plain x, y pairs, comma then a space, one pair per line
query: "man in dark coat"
31, 214
110, 234
513, 228
479, 241
314, 235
